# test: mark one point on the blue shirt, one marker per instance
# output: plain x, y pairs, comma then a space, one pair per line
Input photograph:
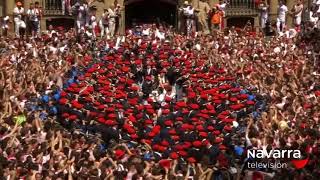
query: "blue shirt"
45, 98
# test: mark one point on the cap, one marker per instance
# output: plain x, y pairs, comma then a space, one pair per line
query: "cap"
194, 106
197, 144
174, 155
119, 153
218, 140
73, 117
191, 160
182, 153
227, 128
222, 147
203, 134
165, 163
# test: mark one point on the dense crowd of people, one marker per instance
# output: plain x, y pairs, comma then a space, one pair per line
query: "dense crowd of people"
138, 107
157, 104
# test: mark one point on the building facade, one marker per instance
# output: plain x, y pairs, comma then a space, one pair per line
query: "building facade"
55, 11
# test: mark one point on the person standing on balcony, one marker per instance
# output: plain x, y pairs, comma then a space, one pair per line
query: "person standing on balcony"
281, 20
33, 19
39, 14
5, 25
81, 18
112, 21
189, 14
204, 9
216, 18
19, 23
104, 23
297, 14
93, 21
118, 15
222, 8
263, 7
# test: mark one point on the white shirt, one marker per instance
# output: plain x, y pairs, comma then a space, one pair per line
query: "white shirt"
283, 9
81, 14
188, 11
264, 12
104, 18
18, 13
291, 33
312, 18
93, 21
33, 14
298, 8
111, 16
51, 32
5, 24
222, 7
160, 35
146, 32
52, 49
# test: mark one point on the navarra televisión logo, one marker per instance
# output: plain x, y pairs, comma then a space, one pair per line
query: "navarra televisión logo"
275, 158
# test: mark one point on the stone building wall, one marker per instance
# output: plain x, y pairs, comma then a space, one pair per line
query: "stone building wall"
103, 4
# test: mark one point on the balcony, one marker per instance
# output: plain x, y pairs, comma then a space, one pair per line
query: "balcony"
57, 7
242, 8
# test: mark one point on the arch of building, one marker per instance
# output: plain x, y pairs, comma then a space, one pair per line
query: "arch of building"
154, 11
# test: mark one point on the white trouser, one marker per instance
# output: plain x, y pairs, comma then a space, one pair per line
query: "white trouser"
104, 29
39, 28
80, 24
263, 21
18, 24
94, 26
112, 27
281, 23
297, 20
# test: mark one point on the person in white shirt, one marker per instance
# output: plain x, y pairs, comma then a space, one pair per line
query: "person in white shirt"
18, 13
222, 7
188, 12
104, 24
93, 21
112, 21
281, 20
81, 18
145, 30
263, 13
38, 10
297, 13
313, 18
5, 25
160, 33
33, 18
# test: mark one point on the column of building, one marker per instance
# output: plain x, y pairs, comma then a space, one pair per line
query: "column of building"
290, 5
9, 12
9, 9
122, 25
108, 3
273, 10
212, 3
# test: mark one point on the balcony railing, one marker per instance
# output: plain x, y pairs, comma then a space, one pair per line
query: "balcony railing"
57, 7
242, 8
